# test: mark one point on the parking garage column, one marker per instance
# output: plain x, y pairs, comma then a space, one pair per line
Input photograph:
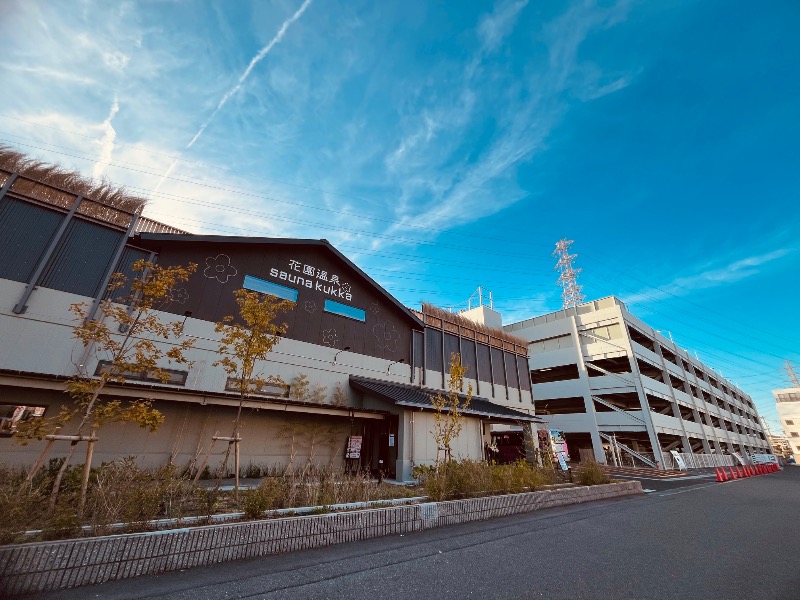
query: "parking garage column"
583, 375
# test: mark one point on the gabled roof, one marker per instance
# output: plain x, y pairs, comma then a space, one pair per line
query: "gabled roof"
402, 394
226, 239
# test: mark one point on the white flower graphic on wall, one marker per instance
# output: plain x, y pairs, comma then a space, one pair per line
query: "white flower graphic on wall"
219, 267
329, 337
387, 336
375, 308
179, 295
311, 306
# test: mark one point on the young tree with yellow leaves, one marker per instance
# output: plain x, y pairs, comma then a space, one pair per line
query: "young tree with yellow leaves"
246, 341
448, 415
132, 339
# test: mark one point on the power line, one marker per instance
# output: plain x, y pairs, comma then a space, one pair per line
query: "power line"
679, 297
370, 234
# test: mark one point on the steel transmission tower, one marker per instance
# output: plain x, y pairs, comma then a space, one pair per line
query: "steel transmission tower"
568, 276
792, 376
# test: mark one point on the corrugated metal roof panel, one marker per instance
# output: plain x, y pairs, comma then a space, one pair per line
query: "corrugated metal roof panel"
145, 225
409, 395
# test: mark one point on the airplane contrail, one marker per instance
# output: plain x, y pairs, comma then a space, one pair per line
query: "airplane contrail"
242, 78
107, 143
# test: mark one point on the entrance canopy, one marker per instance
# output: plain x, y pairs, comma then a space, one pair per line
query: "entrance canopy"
417, 397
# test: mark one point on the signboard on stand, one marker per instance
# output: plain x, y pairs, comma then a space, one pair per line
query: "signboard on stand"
678, 459
353, 447
562, 460
765, 459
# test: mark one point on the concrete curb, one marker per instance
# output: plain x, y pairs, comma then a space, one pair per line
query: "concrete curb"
47, 566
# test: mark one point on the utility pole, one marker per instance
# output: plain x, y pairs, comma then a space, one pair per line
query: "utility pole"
571, 294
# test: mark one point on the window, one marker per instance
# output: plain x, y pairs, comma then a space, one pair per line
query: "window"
268, 389
343, 310
173, 377
267, 287
12, 414
795, 434
789, 422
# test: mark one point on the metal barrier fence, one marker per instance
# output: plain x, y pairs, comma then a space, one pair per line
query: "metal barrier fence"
699, 461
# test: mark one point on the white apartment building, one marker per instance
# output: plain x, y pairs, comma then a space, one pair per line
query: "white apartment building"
617, 387
788, 402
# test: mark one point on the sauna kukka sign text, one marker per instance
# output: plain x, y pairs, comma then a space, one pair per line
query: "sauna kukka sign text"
315, 279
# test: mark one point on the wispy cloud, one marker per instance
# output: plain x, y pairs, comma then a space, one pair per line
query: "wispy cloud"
242, 78
50, 74
449, 181
107, 142
732, 272
494, 28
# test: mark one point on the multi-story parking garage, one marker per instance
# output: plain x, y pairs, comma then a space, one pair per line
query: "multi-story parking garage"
788, 402
621, 391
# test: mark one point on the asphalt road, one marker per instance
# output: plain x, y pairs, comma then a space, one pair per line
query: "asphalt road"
704, 541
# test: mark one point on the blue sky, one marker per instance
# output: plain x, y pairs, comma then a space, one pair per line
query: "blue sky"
447, 145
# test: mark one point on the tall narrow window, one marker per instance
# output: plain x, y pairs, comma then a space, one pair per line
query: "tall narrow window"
267, 287
343, 310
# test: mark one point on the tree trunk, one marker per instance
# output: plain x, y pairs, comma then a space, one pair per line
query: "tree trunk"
60, 476
236, 466
205, 460
87, 469
38, 464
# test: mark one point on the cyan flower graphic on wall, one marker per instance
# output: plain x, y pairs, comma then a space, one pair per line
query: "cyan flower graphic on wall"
220, 268
329, 337
387, 336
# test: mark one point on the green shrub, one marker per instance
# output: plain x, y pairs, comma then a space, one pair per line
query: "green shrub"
253, 471
592, 474
271, 494
469, 478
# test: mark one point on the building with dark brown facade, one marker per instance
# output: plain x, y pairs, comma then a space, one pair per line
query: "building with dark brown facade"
371, 362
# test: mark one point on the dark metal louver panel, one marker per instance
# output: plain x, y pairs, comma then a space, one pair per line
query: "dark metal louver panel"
81, 259
498, 368
25, 231
419, 348
510, 361
524, 374
433, 350
450, 348
125, 267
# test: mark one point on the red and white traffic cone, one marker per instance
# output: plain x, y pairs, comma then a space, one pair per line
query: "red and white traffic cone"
733, 473
720, 475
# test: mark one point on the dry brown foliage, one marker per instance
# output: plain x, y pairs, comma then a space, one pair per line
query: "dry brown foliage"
457, 319
103, 191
